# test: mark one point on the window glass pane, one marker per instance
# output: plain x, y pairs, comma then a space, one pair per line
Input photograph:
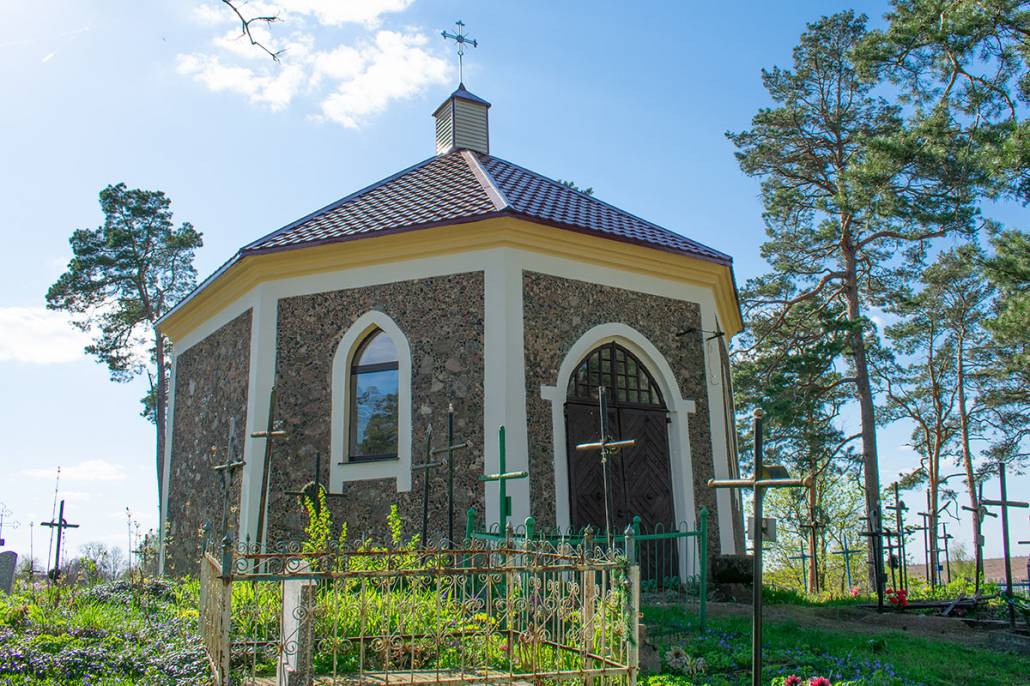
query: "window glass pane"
376, 349
374, 413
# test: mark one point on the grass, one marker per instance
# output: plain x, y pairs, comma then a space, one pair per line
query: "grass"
885, 658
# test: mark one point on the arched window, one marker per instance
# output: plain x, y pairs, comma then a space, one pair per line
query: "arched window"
617, 369
373, 399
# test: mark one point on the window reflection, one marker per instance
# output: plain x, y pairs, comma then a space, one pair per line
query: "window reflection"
373, 393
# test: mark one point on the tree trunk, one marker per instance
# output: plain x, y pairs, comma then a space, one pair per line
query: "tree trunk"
932, 497
967, 454
864, 391
813, 539
159, 412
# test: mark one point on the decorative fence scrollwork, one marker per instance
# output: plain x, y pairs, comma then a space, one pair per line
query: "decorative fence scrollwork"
487, 612
215, 606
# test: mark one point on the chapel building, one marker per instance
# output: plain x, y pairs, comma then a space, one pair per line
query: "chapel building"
465, 281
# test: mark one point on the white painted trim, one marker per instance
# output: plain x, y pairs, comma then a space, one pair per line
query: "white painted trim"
340, 470
704, 297
679, 410
260, 378
166, 472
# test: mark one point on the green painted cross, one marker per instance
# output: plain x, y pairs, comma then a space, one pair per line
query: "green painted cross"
502, 477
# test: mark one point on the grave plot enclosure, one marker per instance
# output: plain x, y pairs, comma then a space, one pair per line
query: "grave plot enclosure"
508, 612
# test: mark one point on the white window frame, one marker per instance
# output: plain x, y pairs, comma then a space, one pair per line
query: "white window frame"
341, 469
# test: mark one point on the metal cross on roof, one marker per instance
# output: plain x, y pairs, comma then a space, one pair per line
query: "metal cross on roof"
461, 39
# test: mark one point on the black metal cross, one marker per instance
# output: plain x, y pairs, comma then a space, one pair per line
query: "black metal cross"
813, 527
462, 40
981, 514
607, 448
268, 434
947, 554
225, 472
310, 490
1004, 504
765, 477
424, 467
900, 508
60, 524
876, 533
449, 449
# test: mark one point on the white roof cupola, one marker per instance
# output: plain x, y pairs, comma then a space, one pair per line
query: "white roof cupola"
462, 123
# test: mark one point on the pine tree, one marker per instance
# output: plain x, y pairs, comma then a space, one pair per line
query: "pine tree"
852, 198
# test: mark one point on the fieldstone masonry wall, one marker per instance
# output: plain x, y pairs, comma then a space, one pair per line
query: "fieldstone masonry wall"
557, 313
211, 381
442, 318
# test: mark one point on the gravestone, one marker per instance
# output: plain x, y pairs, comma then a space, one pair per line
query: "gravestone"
8, 562
298, 625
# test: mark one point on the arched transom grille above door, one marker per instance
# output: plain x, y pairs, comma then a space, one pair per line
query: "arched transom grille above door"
617, 369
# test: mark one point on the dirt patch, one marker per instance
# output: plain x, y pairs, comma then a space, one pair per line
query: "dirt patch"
872, 622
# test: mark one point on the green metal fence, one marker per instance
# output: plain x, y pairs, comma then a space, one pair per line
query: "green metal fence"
673, 560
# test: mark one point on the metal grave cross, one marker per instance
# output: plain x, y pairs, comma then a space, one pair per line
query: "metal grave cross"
876, 533
900, 508
804, 557
1004, 504
5, 513
311, 489
502, 477
982, 513
462, 40
847, 552
449, 449
424, 467
765, 477
947, 554
268, 434
607, 448
931, 575
225, 472
60, 524
813, 526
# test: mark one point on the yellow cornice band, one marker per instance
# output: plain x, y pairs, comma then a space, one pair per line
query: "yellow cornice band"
512, 232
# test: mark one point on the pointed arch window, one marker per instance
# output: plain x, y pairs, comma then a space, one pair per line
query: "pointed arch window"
612, 366
374, 382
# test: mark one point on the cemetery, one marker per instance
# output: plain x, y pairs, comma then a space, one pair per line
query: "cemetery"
471, 424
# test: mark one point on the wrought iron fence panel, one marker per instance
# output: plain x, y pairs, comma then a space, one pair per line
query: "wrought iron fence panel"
485, 612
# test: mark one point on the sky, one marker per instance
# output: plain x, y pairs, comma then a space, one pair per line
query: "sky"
631, 99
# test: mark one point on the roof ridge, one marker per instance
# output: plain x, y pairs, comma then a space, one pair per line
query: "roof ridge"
608, 205
493, 190
337, 203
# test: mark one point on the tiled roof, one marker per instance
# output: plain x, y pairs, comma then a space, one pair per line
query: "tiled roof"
463, 186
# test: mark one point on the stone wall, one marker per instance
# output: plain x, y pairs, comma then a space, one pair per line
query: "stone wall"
442, 318
211, 380
557, 313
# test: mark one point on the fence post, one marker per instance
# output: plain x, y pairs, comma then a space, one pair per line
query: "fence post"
703, 582
589, 599
530, 528
633, 603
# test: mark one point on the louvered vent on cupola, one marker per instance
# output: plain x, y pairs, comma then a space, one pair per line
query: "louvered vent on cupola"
462, 122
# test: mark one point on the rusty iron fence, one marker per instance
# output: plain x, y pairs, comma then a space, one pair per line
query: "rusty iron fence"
513, 610
673, 559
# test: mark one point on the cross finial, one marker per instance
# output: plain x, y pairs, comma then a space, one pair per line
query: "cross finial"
461, 39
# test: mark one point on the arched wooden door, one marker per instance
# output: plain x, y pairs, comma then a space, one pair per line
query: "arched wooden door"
640, 478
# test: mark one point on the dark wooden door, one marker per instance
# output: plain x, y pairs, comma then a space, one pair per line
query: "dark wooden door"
640, 478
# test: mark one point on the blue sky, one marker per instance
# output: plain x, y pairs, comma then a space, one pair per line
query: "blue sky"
631, 99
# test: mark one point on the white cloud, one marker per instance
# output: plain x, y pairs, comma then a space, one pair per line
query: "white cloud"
88, 470
75, 496
396, 67
39, 336
350, 82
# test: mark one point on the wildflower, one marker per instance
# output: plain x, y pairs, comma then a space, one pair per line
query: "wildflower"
792, 680
855, 592
819, 681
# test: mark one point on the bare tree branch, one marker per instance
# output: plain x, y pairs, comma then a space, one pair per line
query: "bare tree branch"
245, 28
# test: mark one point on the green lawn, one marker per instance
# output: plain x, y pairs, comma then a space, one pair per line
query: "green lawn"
885, 658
